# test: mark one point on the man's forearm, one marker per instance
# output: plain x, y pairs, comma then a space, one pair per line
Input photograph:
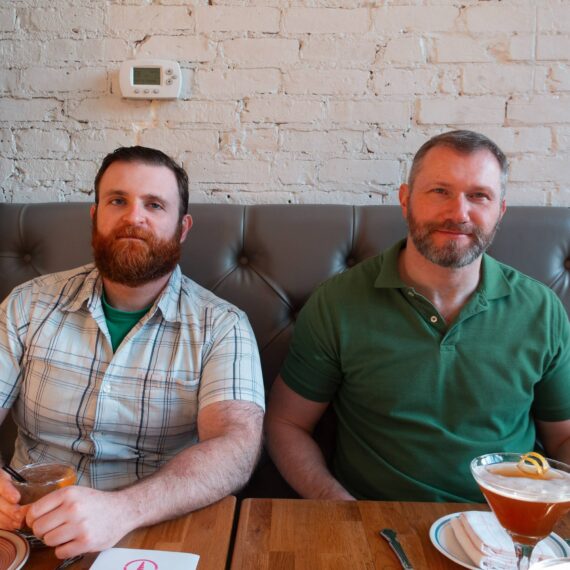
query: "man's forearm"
79, 519
301, 462
199, 476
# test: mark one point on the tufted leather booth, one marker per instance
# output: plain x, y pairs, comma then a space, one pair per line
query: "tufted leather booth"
267, 259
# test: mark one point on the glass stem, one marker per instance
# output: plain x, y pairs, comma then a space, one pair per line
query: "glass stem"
523, 552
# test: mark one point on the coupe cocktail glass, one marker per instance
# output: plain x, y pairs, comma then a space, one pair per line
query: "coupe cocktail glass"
527, 500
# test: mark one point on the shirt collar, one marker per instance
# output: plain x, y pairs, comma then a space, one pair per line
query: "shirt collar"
169, 300
492, 285
91, 290
389, 276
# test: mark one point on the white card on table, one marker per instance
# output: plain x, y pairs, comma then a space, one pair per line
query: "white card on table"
135, 559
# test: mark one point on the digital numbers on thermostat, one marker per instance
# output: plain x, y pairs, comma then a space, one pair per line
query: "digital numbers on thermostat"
150, 79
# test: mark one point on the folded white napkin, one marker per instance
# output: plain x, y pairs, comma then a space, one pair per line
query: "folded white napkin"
134, 558
487, 543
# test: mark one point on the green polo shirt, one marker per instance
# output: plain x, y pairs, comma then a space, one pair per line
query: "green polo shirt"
415, 400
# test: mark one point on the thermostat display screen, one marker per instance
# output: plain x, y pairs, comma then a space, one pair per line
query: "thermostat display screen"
146, 75
149, 78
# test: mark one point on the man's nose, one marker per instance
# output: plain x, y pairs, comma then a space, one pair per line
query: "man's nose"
459, 209
134, 214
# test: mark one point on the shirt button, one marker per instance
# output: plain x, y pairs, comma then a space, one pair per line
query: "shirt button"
433, 319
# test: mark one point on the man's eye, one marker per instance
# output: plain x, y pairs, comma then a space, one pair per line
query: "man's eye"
155, 206
480, 196
438, 190
117, 201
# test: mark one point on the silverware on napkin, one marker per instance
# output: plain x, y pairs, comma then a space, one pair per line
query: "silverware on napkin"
391, 538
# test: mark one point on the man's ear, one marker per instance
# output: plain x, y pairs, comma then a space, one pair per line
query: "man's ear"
503, 208
93, 210
404, 196
186, 225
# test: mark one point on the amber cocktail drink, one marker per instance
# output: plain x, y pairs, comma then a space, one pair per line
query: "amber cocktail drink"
41, 479
527, 497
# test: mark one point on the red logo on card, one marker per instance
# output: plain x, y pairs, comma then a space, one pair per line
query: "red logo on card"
141, 564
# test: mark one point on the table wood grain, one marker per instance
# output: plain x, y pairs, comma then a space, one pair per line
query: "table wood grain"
292, 534
206, 532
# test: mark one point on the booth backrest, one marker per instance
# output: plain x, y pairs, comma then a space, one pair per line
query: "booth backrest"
267, 259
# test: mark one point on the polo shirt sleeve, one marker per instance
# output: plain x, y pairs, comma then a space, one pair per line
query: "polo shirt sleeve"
231, 369
14, 323
312, 368
552, 393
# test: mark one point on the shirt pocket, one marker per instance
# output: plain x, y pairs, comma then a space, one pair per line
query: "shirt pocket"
169, 403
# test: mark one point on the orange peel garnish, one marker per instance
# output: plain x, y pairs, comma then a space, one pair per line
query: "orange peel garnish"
533, 462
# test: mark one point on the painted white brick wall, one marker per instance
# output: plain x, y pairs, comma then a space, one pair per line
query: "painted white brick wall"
308, 101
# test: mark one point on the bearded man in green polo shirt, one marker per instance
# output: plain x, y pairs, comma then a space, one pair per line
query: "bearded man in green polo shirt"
431, 353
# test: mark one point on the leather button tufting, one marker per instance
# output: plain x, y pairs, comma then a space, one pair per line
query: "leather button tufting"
27, 258
567, 264
243, 260
351, 262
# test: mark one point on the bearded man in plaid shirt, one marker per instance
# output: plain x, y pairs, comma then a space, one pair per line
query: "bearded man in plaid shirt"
148, 384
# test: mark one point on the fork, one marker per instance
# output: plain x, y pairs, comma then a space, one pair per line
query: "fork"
68, 562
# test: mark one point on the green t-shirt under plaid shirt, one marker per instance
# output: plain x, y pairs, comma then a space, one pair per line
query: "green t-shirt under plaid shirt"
415, 400
120, 323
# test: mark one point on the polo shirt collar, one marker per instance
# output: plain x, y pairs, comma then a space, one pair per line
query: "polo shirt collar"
492, 285
389, 277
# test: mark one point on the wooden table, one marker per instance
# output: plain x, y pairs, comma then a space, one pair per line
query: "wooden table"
206, 532
283, 534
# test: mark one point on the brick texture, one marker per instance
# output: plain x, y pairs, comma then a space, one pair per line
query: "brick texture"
293, 101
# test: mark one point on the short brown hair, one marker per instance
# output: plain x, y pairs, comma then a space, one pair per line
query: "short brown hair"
152, 157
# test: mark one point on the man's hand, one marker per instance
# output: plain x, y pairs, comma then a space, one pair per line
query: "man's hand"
76, 520
11, 513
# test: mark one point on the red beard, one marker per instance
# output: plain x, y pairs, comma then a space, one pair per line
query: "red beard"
134, 262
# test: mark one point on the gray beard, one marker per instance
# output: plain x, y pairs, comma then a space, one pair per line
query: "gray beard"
451, 254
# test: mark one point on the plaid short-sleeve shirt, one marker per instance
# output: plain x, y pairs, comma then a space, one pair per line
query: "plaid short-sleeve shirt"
118, 416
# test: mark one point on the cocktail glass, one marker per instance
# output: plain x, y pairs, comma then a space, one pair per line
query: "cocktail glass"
41, 479
527, 503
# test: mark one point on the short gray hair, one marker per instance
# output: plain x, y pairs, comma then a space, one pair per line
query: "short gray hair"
465, 142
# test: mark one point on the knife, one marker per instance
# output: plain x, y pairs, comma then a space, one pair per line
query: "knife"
391, 538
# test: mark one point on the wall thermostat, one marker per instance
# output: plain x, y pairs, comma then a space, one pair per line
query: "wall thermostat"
150, 79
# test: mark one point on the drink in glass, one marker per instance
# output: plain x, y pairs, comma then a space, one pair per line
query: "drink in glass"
41, 479
528, 499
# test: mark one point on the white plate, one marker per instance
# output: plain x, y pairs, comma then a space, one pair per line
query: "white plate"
443, 538
22, 550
